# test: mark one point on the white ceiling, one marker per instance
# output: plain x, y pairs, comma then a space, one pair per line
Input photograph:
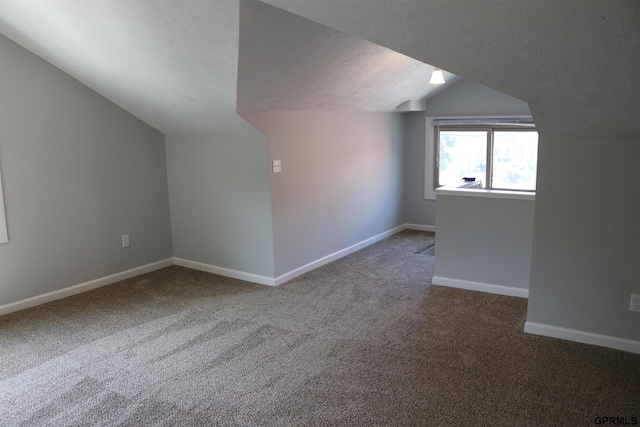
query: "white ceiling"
576, 62
174, 64
288, 63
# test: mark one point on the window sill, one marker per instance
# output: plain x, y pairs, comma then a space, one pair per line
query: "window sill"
489, 194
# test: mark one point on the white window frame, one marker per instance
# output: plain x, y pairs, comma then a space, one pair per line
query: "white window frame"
4, 237
467, 123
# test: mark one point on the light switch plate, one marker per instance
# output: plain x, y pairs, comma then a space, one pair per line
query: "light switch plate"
277, 166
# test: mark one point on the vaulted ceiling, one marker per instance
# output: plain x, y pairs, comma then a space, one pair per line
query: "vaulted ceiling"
174, 64
575, 62
289, 63
184, 66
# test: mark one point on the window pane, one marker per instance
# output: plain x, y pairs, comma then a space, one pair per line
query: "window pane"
462, 154
515, 155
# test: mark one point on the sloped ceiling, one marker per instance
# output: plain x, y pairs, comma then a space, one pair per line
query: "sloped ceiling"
174, 64
289, 63
575, 62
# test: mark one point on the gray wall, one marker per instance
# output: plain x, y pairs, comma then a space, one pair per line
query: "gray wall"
78, 172
586, 234
341, 181
219, 193
3, 222
464, 98
468, 98
417, 209
484, 240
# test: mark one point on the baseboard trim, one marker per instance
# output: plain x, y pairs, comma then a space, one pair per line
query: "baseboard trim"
582, 337
83, 287
336, 255
481, 287
227, 272
420, 227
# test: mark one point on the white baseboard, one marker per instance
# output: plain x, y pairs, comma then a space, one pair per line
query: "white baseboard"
83, 287
420, 227
263, 280
479, 286
227, 272
582, 337
336, 255
241, 275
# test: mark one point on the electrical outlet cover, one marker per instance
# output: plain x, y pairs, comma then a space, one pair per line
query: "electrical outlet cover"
635, 303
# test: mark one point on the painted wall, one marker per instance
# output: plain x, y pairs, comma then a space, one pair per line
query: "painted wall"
418, 210
3, 222
586, 234
219, 193
78, 172
484, 240
464, 98
341, 181
468, 98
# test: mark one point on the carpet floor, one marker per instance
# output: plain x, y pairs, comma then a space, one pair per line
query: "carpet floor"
363, 341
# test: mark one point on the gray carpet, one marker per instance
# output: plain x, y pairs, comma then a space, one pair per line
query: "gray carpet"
363, 341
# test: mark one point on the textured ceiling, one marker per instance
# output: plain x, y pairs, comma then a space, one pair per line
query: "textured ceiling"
174, 64
575, 62
288, 63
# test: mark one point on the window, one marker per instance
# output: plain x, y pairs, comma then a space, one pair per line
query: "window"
502, 156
